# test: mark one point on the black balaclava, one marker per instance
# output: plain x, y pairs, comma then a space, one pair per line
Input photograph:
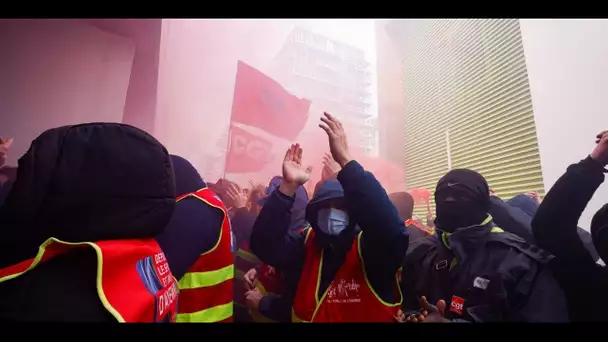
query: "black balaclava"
599, 232
470, 204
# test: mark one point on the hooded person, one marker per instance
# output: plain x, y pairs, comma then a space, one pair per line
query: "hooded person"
343, 269
555, 229
529, 206
87, 201
197, 243
483, 273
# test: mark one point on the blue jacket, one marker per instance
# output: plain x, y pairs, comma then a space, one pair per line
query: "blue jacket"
384, 240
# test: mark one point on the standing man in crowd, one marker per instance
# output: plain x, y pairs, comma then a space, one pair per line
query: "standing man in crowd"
555, 229
343, 269
483, 273
89, 199
197, 243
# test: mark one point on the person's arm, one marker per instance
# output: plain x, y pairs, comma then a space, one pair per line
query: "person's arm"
555, 223
385, 238
194, 229
269, 239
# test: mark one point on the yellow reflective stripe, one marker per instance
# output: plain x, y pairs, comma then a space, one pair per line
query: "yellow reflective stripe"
98, 282
444, 235
210, 315
295, 318
249, 257
369, 285
195, 280
224, 219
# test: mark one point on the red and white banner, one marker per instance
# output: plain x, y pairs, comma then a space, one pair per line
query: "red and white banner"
247, 152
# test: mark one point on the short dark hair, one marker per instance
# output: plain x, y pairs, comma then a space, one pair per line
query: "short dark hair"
404, 203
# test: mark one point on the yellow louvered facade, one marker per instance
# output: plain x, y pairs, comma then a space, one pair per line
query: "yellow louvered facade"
468, 78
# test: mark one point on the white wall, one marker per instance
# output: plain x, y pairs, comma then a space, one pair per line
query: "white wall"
567, 64
59, 72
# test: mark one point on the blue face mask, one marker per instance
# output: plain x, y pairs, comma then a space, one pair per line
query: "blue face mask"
332, 221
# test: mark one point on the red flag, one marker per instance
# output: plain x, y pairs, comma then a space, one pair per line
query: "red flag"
261, 102
247, 152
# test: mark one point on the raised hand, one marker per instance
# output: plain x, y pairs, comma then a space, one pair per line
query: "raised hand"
238, 197
294, 173
330, 167
433, 313
600, 153
338, 144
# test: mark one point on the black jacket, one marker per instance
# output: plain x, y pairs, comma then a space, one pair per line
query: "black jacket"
85, 182
499, 276
384, 240
555, 229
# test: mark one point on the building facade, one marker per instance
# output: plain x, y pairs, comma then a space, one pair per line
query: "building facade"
334, 76
467, 103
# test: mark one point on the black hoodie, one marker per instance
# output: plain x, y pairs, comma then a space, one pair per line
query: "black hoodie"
86, 182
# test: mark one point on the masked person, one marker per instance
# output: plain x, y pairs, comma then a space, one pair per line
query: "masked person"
197, 244
555, 229
343, 269
265, 296
87, 202
483, 273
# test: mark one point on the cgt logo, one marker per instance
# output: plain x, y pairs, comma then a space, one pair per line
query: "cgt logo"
251, 147
457, 305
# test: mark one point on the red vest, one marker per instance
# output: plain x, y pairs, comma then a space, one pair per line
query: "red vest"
134, 281
206, 289
349, 297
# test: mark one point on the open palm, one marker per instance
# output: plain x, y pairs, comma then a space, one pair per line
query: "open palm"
293, 171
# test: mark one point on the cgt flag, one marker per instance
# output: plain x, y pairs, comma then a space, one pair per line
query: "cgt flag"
261, 102
247, 152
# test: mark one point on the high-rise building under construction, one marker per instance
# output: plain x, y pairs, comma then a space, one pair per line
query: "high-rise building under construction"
467, 103
335, 76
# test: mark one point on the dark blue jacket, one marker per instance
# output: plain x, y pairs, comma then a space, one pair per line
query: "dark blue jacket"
194, 226
384, 240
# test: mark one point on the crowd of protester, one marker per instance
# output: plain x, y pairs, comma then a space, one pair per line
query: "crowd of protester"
102, 223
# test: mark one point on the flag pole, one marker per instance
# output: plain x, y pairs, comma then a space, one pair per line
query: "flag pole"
230, 121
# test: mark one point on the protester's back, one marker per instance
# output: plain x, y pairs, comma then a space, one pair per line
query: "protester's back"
86, 182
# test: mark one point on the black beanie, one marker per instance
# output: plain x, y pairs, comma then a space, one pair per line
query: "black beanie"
465, 184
